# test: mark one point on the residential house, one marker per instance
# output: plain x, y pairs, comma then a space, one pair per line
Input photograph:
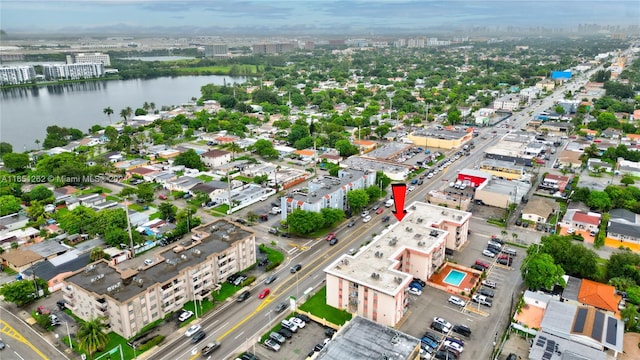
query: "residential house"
214, 158
373, 282
591, 293
142, 172
539, 209
598, 166
580, 222
568, 159
19, 259
182, 184
555, 182
88, 200
13, 221
64, 192
284, 150
365, 146
624, 167
623, 229
333, 159
306, 155
48, 249
611, 133
130, 299
212, 188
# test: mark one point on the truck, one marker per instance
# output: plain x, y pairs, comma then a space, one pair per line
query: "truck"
210, 348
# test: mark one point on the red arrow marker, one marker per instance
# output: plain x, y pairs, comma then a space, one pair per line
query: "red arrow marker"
399, 194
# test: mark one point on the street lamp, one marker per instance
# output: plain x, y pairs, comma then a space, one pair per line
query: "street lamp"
69, 335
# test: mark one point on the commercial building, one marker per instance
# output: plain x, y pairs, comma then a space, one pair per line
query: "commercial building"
501, 193
72, 71
14, 75
216, 50
394, 170
214, 158
515, 148
503, 169
273, 48
507, 103
364, 339
131, 299
327, 192
373, 283
440, 138
89, 58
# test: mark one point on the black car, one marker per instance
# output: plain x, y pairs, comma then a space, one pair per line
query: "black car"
285, 235
232, 278
433, 336
512, 356
519, 222
444, 355
333, 241
275, 204
285, 332
304, 318
197, 337
386, 218
248, 356
61, 305
263, 262
505, 261
438, 327
318, 347
525, 224
295, 268
463, 330
329, 332
478, 267
539, 227
241, 221
244, 296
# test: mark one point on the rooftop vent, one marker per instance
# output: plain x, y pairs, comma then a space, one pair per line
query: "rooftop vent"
398, 280
409, 229
417, 236
375, 276
196, 252
90, 268
393, 241
433, 233
421, 243
420, 220
172, 262
97, 277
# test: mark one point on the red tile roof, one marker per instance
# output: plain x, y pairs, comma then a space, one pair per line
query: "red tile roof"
601, 296
586, 218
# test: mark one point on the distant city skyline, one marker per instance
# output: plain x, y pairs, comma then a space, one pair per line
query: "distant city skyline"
203, 17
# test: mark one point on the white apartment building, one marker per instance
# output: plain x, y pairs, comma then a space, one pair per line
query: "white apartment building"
14, 75
507, 102
216, 50
373, 282
72, 71
89, 58
327, 192
131, 299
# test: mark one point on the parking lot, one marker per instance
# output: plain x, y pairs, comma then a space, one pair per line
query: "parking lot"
298, 346
486, 323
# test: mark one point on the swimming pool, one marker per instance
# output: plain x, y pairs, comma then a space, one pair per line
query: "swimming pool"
454, 277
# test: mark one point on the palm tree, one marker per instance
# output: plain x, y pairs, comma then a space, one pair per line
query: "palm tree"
37, 144
152, 106
125, 113
108, 111
146, 106
515, 237
504, 234
91, 336
234, 148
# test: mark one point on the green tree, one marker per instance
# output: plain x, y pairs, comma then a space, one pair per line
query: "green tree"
332, 216
41, 193
629, 316
5, 148
108, 111
126, 113
9, 204
357, 199
382, 180
304, 222
575, 259
78, 220
624, 264
265, 148
627, 180
15, 161
23, 292
373, 192
234, 149
167, 210
145, 192
91, 336
599, 200
189, 159
540, 272
297, 132
345, 148
97, 253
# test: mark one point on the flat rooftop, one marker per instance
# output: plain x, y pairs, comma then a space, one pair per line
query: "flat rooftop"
214, 238
365, 339
362, 163
499, 164
414, 232
440, 133
325, 185
517, 189
388, 151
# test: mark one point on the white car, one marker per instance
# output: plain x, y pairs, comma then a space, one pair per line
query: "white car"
571, 231
365, 213
411, 188
299, 323
185, 315
488, 253
148, 262
442, 322
429, 176
453, 345
489, 284
457, 301
415, 291
366, 218
192, 330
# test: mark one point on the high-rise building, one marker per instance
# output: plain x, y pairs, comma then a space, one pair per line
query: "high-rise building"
72, 71
130, 299
86, 58
273, 48
216, 50
14, 75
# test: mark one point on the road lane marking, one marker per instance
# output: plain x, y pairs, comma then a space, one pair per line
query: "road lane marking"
11, 332
18, 355
239, 335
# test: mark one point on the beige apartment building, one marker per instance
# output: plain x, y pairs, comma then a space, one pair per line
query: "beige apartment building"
132, 298
373, 282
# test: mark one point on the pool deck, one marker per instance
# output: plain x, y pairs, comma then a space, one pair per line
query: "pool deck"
469, 282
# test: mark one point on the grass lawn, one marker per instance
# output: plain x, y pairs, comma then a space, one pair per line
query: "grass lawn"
222, 208
205, 178
113, 198
216, 70
317, 305
155, 215
203, 308
227, 290
114, 341
244, 178
272, 254
136, 207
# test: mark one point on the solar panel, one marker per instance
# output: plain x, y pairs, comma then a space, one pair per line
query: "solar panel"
550, 346
542, 338
598, 326
547, 355
581, 316
612, 331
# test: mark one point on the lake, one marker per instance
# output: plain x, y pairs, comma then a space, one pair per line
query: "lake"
25, 113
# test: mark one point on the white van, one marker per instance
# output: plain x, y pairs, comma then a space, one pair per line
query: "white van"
388, 203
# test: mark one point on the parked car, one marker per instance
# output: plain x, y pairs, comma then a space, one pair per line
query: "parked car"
519, 222
243, 296
433, 336
422, 283
486, 292
488, 253
289, 326
463, 330
439, 327
478, 267
489, 284
415, 291
299, 323
277, 337
295, 268
484, 264
192, 330
272, 344
304, 318
444, 355
286, 333
482, 300
442, 321
185, 315
456, 301
505, 260
453, 346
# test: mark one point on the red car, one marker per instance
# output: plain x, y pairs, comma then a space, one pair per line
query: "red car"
379, 211
331, 236
265, 292
483, 264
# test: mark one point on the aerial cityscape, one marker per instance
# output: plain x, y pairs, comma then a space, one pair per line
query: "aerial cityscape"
326, 180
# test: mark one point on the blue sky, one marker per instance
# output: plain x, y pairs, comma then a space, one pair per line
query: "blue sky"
70, 15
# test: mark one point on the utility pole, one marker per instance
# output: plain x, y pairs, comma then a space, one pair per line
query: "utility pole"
126, 211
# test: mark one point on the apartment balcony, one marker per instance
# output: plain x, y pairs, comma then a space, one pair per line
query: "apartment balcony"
101, 304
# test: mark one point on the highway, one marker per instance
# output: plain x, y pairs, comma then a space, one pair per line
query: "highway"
238, 325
